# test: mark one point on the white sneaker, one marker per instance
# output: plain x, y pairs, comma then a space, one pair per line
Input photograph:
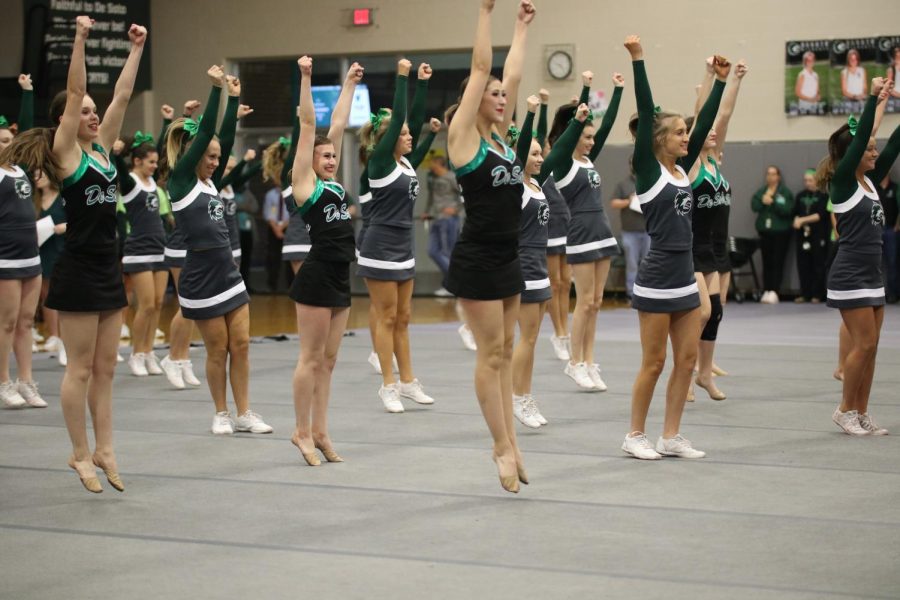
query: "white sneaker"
560, 347
136, 364
29, 391
468, 339
523, 413
34, 347
125, 333
639, 447
119, 357
765, 298
222, 424
443, 293
10, 395
252, 422
849, 422
152, 364
173, 372
187, 372
579, 374
390, 396
36, 336
61, 356
593, 371
159, 334
774, 299
52, 344
867, 423
414, 391
677, 446
531, 404
373, 360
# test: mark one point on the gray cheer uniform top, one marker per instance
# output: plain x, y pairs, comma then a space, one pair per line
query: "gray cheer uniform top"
296, 244
145, 244
558, 226
19, 254
234, 234
533, 237
589, 236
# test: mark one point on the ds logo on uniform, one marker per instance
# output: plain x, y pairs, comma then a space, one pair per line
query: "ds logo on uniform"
215, 209
95, 195
23, 189
683, 203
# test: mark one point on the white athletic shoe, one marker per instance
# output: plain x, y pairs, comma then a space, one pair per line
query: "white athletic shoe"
390, 396
579, 374
136, 364
61, 355
373, 360
187, 372
119, 357
159, 334
532, 406
849, 422
560, 347
593, 371
443, 293
152, 364
251, 422
173, 372
10, 395
866, 422
29, 391
125, 332
222, 424
414, 391
34, 347
639, 447
468, 339
677, 446
52, 344
523, 413
36, 336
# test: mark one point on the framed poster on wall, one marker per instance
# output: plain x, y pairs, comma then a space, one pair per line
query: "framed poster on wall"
806, 77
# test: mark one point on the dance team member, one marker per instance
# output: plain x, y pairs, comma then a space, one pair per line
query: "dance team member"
485, 272
665, 290
226, 192
321, 288
48, 202
210, 288
855, 284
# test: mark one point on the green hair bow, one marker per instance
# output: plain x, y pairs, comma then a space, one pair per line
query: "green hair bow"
656, 110
376, 119
192, 126
141, 138
853, 124
3, 122
284, 141
513, 134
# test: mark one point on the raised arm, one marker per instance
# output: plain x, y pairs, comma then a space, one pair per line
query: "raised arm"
541, 132
341, 113
646, 167
243, 170
512, 68
115, 113
609, 118
886, 157
168, 115
26, 104
726, 109
882, 104
707, 114
417, 108
416, 157
526, 134
463, 139
381, 161
845, 170
184, 171
126, 182
65, 142
587, 78
303, 178
559, 161
229, 126
292, 151
705, 86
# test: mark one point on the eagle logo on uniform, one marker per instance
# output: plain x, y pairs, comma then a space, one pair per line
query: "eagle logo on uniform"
877, 214
543, 213
23, 189
413, 189
216, 209
152, 203
231, 208
594, 178
683, 203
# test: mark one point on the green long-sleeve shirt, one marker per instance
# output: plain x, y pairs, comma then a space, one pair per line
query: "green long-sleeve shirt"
184, 172
26, 111
776, 217
226, 138
381, 160
417, 111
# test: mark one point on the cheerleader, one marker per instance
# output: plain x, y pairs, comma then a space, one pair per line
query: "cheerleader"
210, 288
665, 290
485, 273
48, 202
321, 288
855, 284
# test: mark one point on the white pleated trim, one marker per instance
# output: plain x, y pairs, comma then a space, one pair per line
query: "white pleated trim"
537, 284
365, 198
667, 294
20, 263
143, 258
385, 264
569, 176
236, 253
175, 253
664, 178
214, 300
287, 192
403, 167
857, 197
200, 187
138, 188
855, 294
581, 248
296, 248
558, 241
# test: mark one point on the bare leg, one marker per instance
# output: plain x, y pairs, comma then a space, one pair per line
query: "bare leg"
565, 288
707, 347
215, 337
530, 316
401, 330
79, 335
31, 291
99, 392
238, 322
560, 320
865, 388
180, 329
601, 273
654, 338
295, 265
51, 317
10, 303
585, 284
845, 342
684, 328
313, 324
160, 279
863, 327
384, 297
322, 393
145, 298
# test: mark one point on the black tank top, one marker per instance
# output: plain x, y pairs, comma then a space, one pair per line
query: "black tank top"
712, 206
89, 195
328, 222
16, 205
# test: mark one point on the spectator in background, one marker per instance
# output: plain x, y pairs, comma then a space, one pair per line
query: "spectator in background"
773, 204
635, 240
887, 194
813, 224
277, 219
443, 208
807, 87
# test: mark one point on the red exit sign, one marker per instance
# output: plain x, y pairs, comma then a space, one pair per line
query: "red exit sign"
362, 17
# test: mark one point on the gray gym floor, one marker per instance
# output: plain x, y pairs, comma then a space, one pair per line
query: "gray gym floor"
784, 506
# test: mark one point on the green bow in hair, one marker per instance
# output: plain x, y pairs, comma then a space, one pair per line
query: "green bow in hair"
141, 138
284, 141
513, 134
376, 119
852, 123
656, 110
192, 126
4, 124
